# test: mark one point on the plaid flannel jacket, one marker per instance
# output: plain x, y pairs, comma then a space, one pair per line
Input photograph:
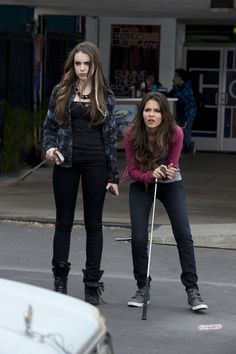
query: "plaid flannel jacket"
60, 136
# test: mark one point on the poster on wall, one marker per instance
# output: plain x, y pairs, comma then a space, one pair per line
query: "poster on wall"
124, 114
135, 52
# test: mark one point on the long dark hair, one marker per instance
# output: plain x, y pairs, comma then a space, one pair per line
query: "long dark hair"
149, 155
69, 78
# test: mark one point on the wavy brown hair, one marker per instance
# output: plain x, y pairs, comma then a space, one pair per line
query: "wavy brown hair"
69, 78
148, 152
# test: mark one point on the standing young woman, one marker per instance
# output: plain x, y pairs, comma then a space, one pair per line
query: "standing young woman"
80, 125
152, 141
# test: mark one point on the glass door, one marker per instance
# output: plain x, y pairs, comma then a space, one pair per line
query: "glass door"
204, 65
213, 74
227, 102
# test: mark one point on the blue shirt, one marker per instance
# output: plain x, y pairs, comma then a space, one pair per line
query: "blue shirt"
186, 105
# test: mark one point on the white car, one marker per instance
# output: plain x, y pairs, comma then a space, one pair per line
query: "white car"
34, 320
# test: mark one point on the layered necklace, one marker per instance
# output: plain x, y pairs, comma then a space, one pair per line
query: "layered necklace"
84, 97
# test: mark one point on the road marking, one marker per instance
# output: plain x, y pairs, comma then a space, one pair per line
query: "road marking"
210, 327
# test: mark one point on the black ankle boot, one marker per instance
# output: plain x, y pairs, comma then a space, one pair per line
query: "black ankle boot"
60, 272
93, 289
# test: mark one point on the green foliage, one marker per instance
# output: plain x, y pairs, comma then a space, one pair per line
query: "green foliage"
39, 116
20, 133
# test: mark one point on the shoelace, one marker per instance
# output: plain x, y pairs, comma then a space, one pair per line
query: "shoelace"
60, 284
100, 290
195, 294
138, 292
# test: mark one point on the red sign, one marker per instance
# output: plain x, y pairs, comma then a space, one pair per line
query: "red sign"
135, 50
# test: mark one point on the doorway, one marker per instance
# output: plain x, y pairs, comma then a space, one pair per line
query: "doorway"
213, 73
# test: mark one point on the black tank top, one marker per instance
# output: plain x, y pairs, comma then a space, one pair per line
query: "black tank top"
87, 139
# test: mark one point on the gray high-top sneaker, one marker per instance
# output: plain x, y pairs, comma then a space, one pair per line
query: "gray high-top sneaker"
195, 300
138, 299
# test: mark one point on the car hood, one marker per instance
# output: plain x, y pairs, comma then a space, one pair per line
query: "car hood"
36, 320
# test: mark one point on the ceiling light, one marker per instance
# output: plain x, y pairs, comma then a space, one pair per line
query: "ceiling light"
221, 5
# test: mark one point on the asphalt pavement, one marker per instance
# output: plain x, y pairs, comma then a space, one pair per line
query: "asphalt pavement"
27, 215
171, 327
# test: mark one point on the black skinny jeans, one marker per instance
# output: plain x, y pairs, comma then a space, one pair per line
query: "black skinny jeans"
65, 184
172, 196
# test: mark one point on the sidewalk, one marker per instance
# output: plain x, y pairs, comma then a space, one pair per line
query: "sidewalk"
210, 182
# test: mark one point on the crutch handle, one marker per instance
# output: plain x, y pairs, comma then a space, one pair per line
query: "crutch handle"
163, 169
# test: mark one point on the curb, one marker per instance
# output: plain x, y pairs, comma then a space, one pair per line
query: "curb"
45, 221
204, 235
222, 236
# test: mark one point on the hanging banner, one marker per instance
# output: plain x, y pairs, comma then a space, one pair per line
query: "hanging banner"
135, 51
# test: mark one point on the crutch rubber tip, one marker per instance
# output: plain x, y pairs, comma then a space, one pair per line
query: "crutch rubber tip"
144, 312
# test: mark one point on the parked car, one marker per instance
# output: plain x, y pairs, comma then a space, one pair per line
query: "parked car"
34, 320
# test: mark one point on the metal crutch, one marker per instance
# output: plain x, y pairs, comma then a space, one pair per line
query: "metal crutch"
32, 170
59, 159
147, 285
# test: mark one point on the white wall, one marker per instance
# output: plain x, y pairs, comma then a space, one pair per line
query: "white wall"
167, 44
92, 29
180, 39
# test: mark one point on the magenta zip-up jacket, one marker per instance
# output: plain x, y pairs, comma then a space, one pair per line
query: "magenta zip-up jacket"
173, 152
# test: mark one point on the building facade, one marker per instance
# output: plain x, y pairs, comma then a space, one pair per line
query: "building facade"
35, 44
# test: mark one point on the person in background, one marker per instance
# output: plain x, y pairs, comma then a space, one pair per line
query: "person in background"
80, 124
150, 82
155, 140
151, 86
185, 107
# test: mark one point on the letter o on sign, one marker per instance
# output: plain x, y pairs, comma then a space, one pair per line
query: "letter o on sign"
232, 89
